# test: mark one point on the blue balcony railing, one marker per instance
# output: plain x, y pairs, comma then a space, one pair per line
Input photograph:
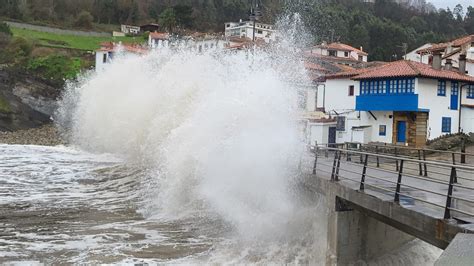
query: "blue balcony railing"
387, 102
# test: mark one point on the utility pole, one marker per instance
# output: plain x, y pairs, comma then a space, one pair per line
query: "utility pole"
255, 13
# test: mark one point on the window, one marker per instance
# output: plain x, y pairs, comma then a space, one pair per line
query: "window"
390, 86
441, 88
346, 54
351, 90
393, 86
470, 92
259, 31
454, 88
332, 53
361, 58
104, 58
446, 125
341, 123
382, 130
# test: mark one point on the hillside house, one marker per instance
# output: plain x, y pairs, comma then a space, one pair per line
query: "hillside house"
128, 29
451, 52
343, 53
108, 50
402, 102
244, 29
158, 40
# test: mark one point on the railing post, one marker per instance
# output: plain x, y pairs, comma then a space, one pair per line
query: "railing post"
349, 155
452, 178
316, 151
334, 167
454, 163
360, 150
338, 166
399, 182
396, 161
463, 151
420, 164
377, 152
425, 166
364, 173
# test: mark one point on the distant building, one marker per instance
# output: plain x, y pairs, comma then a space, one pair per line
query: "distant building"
451, 52
338, 51
127, 29
245, 29
416, 57
151, 27
108, 50
158, 40
402, 102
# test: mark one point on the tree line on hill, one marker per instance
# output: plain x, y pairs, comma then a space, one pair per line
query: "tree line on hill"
385, 28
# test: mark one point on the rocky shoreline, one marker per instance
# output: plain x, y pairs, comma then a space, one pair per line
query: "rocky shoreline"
46, 135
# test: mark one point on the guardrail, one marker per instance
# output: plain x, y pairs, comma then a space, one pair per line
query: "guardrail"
450, 186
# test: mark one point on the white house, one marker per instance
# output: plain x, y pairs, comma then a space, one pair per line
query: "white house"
128, 29
417, 57
245, 29
108, 50
338, 50
402, 102
158, 40
450, 52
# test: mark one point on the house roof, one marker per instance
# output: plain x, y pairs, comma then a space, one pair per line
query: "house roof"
315, 67
159, 35
405, 68
454, 43
352, 72
114, 47
341, 47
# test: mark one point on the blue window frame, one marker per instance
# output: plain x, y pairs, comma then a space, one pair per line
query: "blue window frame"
382, 130
454, 88
388, 86
441, 87
446, 125
470, 92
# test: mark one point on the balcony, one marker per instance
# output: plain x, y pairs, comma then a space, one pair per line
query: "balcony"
387, 102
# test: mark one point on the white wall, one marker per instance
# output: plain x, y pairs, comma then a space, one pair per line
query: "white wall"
339, 101
438, 106
414, 56
99, 60
467, 113
319, 132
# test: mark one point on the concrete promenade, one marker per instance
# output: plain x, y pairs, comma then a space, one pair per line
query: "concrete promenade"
366, 223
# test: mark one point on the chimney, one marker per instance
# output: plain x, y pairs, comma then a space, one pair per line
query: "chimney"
449, 64
462, 64
437, 60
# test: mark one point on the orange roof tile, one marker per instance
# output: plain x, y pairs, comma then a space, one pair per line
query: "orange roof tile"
341, 47
405, 68
315, 67
112, 47
159, 35
454, 43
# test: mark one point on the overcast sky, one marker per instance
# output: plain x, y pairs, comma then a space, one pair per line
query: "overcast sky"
452, 3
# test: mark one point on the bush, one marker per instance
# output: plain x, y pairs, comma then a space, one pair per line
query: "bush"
16, 51
84, 20
4, 28
55, 67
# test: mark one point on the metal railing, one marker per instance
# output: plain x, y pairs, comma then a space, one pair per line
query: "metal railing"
448, 186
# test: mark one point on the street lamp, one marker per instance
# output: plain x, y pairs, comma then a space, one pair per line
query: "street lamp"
255, 14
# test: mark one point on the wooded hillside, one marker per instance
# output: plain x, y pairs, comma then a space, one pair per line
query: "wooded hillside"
382, 28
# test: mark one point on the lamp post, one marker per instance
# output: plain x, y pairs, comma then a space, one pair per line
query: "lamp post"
255, 14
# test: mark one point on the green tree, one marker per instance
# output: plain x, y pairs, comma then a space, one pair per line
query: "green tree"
168, 19
84, 20
184, 15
